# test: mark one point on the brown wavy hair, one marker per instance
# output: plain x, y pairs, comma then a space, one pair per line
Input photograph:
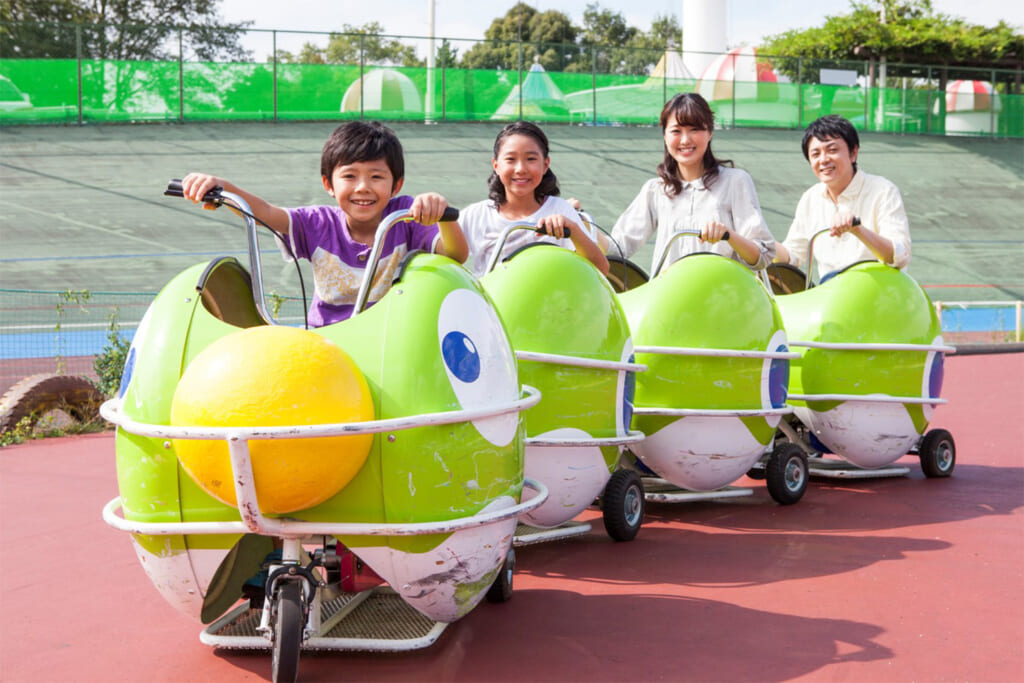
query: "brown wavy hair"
688, 109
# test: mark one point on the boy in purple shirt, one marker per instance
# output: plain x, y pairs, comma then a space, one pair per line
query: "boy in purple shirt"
362, 168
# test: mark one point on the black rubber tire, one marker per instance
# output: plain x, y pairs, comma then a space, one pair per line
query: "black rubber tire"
37, 394
786, 473
288, 626
622, 505
937, 453
501, 589
757, 473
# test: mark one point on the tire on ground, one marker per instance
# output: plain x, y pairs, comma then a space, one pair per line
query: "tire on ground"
37, 394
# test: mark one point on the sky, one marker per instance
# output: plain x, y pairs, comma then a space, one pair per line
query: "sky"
748, 20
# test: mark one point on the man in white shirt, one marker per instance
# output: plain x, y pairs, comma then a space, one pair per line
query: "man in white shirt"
831, 145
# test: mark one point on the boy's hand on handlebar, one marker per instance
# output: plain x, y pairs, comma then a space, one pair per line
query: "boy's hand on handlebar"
714, 232
556, 225
843, 222
194, 187
428, 208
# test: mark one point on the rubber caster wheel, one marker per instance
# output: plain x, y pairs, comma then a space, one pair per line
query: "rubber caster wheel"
288, 625
622, 505
786, 474
501, 589
938, 454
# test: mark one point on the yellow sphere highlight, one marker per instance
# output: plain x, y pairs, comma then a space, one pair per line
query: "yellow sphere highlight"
270, 377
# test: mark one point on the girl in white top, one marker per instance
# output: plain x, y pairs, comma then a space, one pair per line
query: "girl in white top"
523, 189
695, 190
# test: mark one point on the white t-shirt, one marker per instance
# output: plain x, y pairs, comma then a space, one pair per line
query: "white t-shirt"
873, 199
731, 201
483, 225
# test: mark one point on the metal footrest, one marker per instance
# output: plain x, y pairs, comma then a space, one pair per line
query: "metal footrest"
661, 491
377, 620
830, 468
528, 535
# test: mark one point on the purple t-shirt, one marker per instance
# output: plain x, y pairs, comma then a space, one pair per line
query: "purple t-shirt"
320, 234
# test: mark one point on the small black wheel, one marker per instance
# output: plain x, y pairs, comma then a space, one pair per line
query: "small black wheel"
501, 589
938, 454
622, 505
288, 625
757, 473
786, 473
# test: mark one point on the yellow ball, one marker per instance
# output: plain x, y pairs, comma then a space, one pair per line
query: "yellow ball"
274, 376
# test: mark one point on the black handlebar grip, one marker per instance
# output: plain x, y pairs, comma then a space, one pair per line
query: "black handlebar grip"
174, 189
725, 236
566, 232
450, 215
856, 220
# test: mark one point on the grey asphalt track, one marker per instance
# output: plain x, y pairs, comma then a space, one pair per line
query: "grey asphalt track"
82, 207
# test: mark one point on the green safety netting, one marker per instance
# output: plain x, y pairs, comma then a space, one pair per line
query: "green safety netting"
69, 90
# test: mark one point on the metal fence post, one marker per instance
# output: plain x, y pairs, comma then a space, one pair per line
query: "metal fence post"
362, 72
78, 58
181, 77
800, 92
519, 45
593, 84
444, 94
274, 79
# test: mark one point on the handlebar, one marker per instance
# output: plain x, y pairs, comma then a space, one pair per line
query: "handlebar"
810, 250
174, 189
218, 196
660, 261
522, 225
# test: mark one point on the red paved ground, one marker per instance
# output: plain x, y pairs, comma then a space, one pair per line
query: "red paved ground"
889, 580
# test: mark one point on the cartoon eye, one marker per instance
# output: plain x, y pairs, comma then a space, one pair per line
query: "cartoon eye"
138, 340
479, 361
775, 374
626, 391
931, 378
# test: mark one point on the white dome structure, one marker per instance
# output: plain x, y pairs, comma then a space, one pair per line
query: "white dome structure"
739, 75
971, 107
383, 90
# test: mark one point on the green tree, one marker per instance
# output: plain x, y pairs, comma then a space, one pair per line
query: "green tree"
345, 47
125, 30
548, 38
447, 57
907, 31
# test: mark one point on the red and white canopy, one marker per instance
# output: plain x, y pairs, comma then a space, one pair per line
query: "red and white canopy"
971, 96
738, 75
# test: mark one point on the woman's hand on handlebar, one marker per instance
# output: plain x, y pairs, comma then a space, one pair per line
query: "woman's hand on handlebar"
556, 225
714, 232
844, 222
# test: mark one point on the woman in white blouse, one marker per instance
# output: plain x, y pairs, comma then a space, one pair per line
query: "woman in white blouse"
694, 190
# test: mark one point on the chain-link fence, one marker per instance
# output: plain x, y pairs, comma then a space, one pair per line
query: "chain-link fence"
81, 79
63, 332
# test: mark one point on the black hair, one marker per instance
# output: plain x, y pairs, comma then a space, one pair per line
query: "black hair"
362, 141
548, 186
688, 109
828, 128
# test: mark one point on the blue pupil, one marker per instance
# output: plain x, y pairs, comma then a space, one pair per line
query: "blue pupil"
461, 357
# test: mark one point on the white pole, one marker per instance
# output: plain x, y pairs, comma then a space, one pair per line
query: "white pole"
431, 4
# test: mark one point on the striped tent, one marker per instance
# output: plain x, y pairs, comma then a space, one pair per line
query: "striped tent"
541, 98
382, 90
738, 75
971, 96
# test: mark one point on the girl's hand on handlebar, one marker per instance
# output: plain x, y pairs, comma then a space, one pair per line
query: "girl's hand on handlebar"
555, 225
194, 187
843, 222
428, 208
714, 232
